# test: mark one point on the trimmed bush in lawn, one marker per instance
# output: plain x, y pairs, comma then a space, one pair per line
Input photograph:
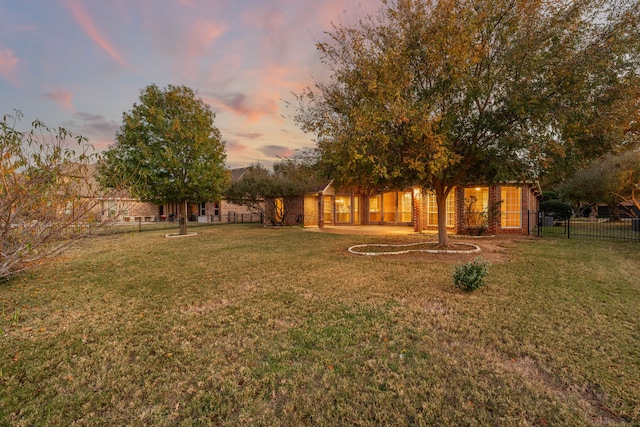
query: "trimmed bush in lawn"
470, 276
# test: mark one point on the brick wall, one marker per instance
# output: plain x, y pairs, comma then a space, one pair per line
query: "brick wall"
494, 209
295, 210
145, 210
230, 212
459, 209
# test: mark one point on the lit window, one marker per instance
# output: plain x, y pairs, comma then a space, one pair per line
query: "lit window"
327, 204
478, 198
510, 207
389, 206
343, 209
404, 206
432, 209
279, 208
375, 209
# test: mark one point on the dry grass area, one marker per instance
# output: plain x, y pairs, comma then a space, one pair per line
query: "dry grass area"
243, 325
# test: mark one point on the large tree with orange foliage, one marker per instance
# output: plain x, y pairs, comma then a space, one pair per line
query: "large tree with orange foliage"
437, 93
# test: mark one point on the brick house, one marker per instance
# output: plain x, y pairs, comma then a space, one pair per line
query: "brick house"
220, 211
123, 208
510, 204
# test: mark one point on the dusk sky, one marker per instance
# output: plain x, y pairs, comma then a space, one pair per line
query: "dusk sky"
81, 64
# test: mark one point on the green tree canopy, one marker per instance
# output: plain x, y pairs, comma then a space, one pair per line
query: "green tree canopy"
274, 193
168, 150
611, 179
440, 93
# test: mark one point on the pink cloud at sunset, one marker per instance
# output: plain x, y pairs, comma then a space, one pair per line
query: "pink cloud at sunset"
236, 148
278, 151
8, 66
82, 16
206, 32
246, 59
252, 108
63, 97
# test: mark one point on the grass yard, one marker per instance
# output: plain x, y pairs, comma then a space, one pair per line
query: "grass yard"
242, 325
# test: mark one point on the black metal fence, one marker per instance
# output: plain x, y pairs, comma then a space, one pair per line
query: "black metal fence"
140, 224
627, 229
240, 218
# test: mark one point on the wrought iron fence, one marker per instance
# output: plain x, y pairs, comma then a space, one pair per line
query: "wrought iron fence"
601, 228
139, 225
241, 218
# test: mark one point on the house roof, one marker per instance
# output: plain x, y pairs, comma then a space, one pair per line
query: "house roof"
238, 173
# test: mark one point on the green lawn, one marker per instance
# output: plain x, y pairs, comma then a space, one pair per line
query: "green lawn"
242, 325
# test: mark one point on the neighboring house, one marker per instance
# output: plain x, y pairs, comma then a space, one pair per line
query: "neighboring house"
116, 205
121, 207
511, 202
127, 209
626, 210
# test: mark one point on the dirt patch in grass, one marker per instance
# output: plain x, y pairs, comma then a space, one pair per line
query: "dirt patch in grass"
373, 249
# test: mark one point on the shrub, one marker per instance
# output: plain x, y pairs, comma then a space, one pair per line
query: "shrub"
470, 276
550, 195
477, 223
557, 209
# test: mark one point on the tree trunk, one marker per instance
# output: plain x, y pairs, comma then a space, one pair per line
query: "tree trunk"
441, 201
614, 212
183, 219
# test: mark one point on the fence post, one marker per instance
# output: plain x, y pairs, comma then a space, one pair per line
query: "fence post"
140, 225
569, 228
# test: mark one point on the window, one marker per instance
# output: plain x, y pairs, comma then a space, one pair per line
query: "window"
109, 208
511, 211
216, 209
476, 208
478, 197
356, 210
343, 209
328, 209
375, 209
279, 207
389, 206
404, 207
432, 209
203, 209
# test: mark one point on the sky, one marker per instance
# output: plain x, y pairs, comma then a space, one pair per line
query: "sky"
80, 64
